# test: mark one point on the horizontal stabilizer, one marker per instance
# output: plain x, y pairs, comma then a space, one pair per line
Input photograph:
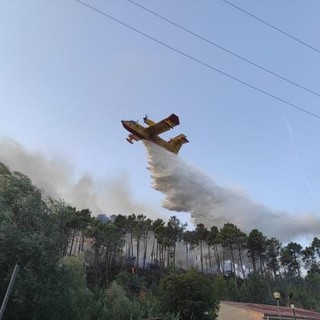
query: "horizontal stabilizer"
177, 142
181, 138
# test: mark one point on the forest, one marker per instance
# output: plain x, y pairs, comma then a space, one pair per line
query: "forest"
73, 265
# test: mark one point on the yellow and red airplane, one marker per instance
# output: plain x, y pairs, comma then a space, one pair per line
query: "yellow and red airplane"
139, 132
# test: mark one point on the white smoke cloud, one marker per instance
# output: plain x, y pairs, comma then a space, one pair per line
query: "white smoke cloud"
187, 189
57, 178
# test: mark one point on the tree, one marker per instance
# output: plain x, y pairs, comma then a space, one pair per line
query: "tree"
190, 294
256, 248
140, 231
33, 235
256, 290
202, 234
311, 256
230, 236
146, 237
118, 306
190, 240
214, 240
174, 233
291, 256
108, 242
159, 234
79, 297
131, 223
273, 248
121, 222
241, 243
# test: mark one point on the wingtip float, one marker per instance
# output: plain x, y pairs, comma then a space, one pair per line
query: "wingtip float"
152, 131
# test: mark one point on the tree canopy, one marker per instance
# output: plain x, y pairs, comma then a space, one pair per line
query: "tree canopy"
76, 266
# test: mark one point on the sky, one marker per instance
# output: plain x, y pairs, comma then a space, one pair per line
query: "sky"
69, 75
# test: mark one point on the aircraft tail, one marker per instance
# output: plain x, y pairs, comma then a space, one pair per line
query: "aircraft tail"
177, 142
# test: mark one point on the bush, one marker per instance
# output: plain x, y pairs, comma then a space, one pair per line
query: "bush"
189, 294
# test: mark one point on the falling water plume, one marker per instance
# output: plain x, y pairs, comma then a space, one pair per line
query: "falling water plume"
187, 189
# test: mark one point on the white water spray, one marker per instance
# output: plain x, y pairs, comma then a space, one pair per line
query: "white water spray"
187, 189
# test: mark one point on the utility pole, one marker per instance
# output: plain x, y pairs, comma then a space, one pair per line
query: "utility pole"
293, 312
9, 289
277, 296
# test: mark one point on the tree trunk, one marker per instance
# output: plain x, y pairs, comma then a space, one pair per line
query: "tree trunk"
95, 266
152, 251
138, 252
80, 242
298, 268
217, 257
131, 247
253, 257
222, 265
240, 259
201, 256
145, 250
209, 257
263, 267
233, 265
107, 268
161, 256
187, 254
157, 256
72, 240
127, 246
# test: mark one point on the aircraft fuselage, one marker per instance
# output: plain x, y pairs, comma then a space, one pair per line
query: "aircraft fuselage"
136, 129
141, 132
152, 132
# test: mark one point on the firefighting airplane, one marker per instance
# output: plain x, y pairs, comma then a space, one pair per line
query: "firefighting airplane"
153, 130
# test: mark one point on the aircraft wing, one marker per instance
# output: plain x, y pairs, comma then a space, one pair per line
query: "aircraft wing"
164, 125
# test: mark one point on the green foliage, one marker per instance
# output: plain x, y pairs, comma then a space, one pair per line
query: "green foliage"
225, 288
231, 290
291, 256
190, 294
118, 305
135, 287
172, 316
256, 290
107, 243
231, 238
256, 247
219, 287
306, 294
132, 283
273, 247
80, 295
39, 233
32, 234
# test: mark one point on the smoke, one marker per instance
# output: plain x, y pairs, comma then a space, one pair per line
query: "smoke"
187, 189
57, 178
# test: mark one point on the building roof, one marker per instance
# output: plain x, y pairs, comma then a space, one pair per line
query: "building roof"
273, 310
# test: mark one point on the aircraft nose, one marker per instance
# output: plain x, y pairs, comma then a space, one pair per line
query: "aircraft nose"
125, 124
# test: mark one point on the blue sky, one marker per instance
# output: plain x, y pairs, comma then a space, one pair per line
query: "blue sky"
68, 75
